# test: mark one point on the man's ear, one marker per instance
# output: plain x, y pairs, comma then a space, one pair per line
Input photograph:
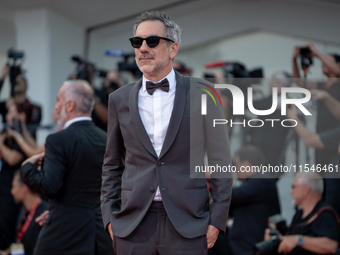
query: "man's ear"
174, 48
70, 106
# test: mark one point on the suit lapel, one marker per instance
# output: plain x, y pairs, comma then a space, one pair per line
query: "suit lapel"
137, 121
177, 112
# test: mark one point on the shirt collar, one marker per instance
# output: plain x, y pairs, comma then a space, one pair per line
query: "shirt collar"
171, 78
70, 122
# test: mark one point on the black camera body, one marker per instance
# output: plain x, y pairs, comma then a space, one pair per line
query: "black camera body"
278, 227
14, 67
306, 59
128, 64
86, 69
16, 126
12, 54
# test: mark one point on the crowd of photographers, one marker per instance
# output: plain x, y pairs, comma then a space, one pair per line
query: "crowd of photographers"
255, 225
314, 228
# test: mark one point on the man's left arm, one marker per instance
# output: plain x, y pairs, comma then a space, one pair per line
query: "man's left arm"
218, 152
319, 245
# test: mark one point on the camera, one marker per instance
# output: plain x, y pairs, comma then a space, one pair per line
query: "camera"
128, 64
278, 227
236, 73
16, 126
85, 69
14, 67
11, 53
306, 59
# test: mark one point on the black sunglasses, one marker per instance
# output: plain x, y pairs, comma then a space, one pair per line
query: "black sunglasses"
151, 41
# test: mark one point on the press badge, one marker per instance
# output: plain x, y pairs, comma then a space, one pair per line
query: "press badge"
17, 249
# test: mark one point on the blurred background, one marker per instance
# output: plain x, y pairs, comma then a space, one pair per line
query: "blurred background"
53, 38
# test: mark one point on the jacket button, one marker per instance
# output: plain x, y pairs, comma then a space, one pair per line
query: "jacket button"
159, 163
152, 189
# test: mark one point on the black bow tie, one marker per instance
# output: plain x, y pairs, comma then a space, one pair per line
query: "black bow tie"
163, 85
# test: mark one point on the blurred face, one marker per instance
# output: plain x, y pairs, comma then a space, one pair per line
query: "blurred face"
59, 107
155, 63
17, 190
20, 86
12, 114
298, 192
242, 175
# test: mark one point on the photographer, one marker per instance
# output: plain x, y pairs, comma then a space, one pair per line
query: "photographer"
327, 141
11, 160
314, 228
32, 111
263, 137
256, 198
86, 71
330, 66
325, 119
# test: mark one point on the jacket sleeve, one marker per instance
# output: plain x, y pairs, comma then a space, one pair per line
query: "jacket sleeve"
113, 166
49, 180
218, 154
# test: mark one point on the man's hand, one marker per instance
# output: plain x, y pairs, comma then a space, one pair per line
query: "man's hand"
4, 72
36, 160
288, 243
108, 227
212, 234
41, 219
267, 235
296, 52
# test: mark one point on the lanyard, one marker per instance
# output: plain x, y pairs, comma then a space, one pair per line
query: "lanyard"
24, 227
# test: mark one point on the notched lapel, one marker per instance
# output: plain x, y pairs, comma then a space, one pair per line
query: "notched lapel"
137, 121
177, 112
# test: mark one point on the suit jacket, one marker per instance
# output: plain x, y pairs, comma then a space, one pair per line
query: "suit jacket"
132, 170
252, 204
71, 179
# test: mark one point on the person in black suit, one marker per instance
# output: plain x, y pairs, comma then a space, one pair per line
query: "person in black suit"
71, 178
253, 202
156, 137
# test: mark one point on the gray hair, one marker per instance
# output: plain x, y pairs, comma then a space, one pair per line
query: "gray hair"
251, 153
172, 30
313, 180
81, 93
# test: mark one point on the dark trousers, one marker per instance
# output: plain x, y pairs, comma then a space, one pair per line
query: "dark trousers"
156, 235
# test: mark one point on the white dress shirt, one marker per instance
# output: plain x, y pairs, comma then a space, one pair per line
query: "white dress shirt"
155, 111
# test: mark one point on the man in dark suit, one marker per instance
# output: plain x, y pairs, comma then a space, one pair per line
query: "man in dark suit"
254, 201
71, 178
152, 200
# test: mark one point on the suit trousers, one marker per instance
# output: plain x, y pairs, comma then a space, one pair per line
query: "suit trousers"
156, 235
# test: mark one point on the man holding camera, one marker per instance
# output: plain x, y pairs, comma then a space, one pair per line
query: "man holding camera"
256, 198
315, 225
19, 97
325, 119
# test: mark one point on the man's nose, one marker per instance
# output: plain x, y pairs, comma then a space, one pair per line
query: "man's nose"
144, 47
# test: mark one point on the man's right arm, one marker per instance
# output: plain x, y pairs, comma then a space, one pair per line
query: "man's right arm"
3, 74
113, 167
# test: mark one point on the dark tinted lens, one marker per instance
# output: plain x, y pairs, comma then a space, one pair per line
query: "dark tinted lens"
136, 42
152, 41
